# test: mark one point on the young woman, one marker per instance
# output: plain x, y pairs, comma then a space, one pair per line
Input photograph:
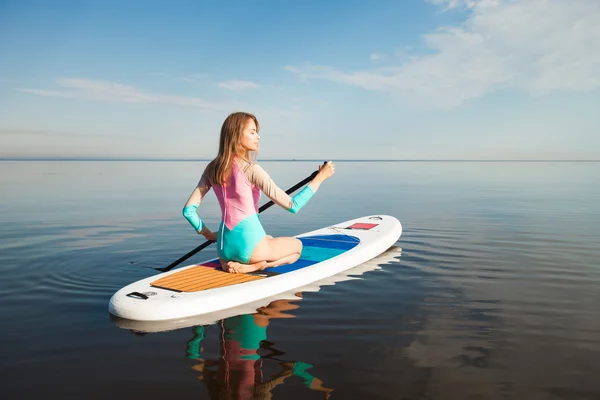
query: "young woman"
237, 180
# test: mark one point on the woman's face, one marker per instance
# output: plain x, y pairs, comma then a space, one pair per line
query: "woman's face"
250, 137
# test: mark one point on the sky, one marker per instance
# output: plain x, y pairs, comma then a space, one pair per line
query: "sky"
412, 79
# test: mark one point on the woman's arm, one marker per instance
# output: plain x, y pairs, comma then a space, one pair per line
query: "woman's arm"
190, 210
259, 177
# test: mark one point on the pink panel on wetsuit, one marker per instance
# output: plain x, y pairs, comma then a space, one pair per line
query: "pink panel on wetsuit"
238, 199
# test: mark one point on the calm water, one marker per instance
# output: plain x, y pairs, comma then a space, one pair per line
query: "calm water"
491, 292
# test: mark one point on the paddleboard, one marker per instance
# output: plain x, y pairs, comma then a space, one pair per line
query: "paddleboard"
388, 257
205, 288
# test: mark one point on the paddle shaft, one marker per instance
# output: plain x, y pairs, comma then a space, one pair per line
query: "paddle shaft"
261, 209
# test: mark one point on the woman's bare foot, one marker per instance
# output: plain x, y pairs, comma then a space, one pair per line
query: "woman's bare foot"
239, 268
224, 266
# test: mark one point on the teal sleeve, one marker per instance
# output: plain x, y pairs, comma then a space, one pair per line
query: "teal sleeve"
301, 198
189, 212
194, 346
299, 369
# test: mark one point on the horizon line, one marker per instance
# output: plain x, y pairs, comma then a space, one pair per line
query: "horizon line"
290, 159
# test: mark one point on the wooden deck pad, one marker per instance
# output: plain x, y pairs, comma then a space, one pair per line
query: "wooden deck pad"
199, 278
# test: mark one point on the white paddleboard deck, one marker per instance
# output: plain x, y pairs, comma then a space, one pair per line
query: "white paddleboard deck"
388, 257
204, 288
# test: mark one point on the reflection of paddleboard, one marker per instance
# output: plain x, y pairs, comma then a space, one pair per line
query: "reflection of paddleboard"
204, 288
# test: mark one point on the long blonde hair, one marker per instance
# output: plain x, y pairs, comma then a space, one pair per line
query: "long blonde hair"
230, 146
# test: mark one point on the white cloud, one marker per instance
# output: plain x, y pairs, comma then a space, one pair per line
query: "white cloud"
450, 4
531, 46
189, 78
116, 92
235, 85
376, 56
185, 79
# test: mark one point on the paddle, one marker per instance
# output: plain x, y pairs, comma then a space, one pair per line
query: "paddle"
261, 209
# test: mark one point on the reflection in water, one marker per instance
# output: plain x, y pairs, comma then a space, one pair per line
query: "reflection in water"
238, 373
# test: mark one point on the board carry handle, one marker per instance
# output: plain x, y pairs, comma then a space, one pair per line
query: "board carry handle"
137, 294
261, 209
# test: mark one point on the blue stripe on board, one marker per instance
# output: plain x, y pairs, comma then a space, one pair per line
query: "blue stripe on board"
337, 237
291, 267
328, 244
319, 253
319, 248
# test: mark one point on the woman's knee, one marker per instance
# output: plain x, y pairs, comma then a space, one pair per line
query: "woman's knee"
298, 244
271, 248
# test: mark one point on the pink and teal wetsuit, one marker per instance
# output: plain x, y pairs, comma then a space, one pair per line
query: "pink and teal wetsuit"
240, 229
